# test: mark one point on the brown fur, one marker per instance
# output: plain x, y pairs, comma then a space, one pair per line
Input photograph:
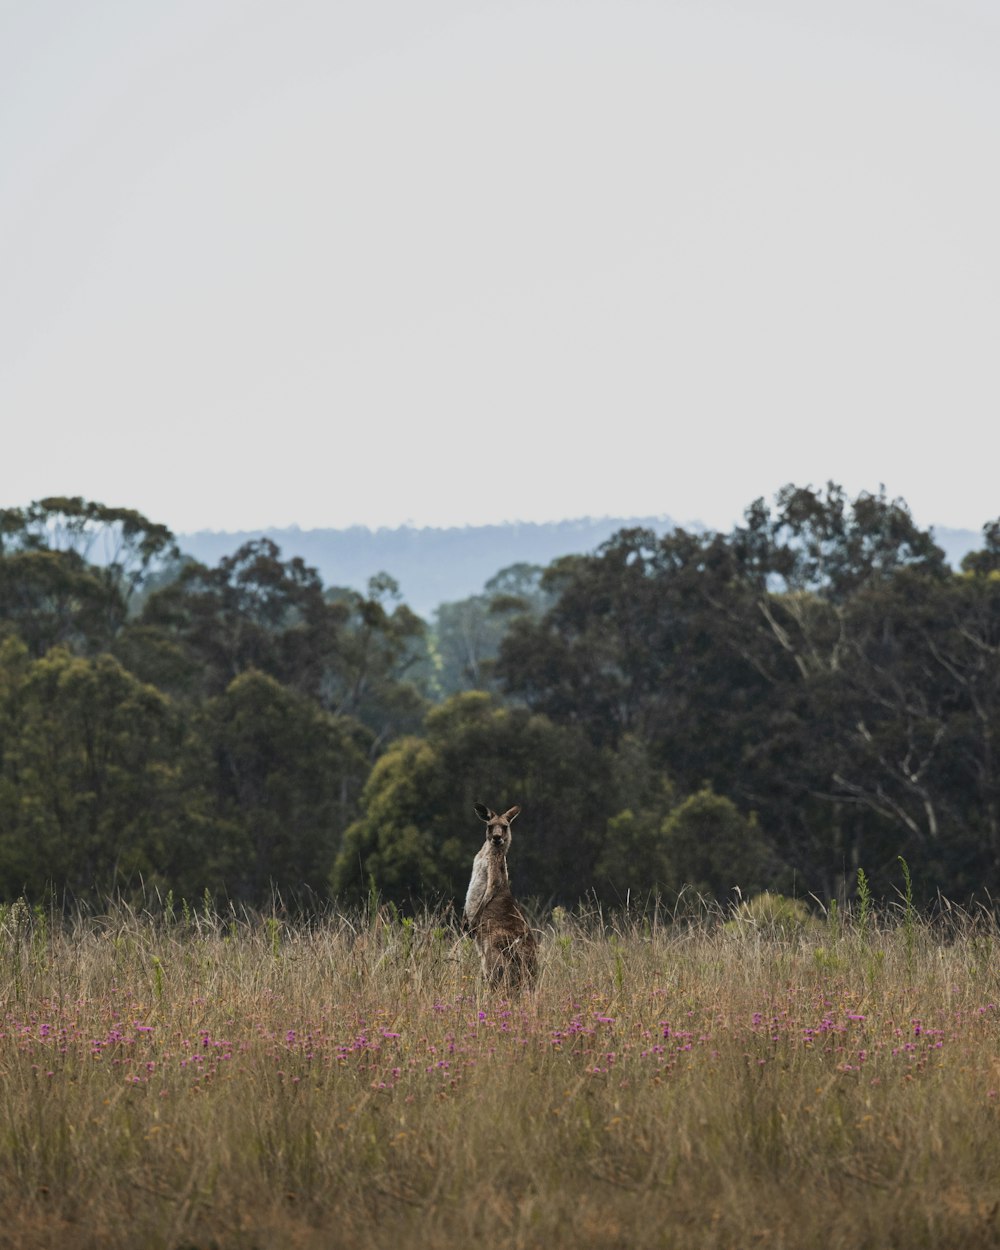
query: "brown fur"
507, 947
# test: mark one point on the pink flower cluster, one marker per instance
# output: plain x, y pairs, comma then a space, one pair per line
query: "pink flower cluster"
445, 1040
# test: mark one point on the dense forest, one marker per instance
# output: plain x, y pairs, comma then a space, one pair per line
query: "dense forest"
817, 691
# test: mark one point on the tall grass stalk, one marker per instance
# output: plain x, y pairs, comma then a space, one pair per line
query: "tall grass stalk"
864, 902
689, 1083
909, 913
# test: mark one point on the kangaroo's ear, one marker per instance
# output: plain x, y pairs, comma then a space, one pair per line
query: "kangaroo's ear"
510, 813
484, 812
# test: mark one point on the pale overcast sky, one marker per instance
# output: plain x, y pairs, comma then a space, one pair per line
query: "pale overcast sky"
325, 262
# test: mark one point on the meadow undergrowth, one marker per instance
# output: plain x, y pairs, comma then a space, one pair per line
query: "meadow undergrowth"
188, 1080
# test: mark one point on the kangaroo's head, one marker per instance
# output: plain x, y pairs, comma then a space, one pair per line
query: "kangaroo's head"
497, 827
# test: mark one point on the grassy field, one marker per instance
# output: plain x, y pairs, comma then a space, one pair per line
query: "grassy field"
198, 1082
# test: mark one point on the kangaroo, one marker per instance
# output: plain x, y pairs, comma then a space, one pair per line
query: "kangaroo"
507, 947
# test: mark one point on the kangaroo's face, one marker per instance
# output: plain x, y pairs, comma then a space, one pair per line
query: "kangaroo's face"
497, 827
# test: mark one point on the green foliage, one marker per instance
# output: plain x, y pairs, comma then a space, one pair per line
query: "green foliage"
909, 912
819, 665
386, 844
106, 784
774, 913
372, 671
468, 634
70, 569
255, 612
709, 845
52, 598
157, 978
417, 835
864, 902
251, 612
986, 562
88, 786
283, 777
632, 862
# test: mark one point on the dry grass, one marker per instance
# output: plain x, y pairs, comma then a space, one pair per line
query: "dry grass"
350, 1084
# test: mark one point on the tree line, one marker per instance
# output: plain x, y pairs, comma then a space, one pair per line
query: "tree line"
770, 708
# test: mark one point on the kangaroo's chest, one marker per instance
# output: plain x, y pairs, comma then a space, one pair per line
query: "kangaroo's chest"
477, 884
489, 879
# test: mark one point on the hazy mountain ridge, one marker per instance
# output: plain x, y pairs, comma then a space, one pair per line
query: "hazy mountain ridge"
956, 543
441, 565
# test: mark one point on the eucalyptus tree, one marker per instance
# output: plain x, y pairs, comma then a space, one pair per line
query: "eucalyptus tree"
72, 570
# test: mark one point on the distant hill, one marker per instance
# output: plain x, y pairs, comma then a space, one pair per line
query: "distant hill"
435, 566
432, 566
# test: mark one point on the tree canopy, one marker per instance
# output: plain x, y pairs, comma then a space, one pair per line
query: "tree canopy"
771, 708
